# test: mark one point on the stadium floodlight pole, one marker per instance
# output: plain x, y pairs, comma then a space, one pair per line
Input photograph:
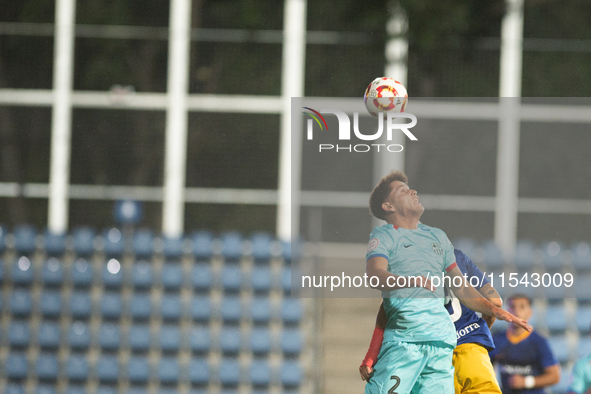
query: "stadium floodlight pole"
61, 116
173, 209
509, 128
292, 85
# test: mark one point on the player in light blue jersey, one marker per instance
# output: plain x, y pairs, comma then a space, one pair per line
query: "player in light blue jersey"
580, 379
419, 338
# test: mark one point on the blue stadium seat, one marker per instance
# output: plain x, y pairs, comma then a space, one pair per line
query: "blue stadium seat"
139, 337
493, 256
106, 390
230, 340
261, 279
50, 303
113, 242
139, 390
112, 274
171, 307
81, 273
582, 289
143, 243
552, 255
72, 389
80, 304
20, 303
231, 278
198, 371
47, 366
581, 255
261, 247
138, 369
83, 240
77, 367
172, 276
286, 252
140, 306
560, 348
201, 276
260, 310
583, 319
109, 337
24, 239
584, 347
291, 374
231, 246
291, 342
202, 245
170, 338
141, 275
172, 248
524, 252
555, 295
79, 336
231, 309
22, 271
52, 272
45, 389
466, 245
260, 373
201, 308
260, 341
19, 334
16, 366
13, 388
286, 279
54, 244
107, 368
110, 305
199, 340
228, 373
168, 370
49, 335
291, 311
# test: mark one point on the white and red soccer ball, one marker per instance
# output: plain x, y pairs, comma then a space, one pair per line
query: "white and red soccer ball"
385, 95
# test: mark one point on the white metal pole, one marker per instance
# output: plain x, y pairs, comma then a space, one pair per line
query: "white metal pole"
176, 118
292, 85
61, 122
509, 127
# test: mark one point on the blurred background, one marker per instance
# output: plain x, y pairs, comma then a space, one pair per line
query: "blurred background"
145, 181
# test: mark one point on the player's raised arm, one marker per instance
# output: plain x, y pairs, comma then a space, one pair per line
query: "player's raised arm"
491, 294
366, 367
378, 267
475, 301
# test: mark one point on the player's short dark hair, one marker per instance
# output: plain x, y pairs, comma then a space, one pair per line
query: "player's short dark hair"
520, 295
381, 192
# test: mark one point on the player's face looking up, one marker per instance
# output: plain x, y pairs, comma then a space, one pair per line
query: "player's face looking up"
403, 200
520, 307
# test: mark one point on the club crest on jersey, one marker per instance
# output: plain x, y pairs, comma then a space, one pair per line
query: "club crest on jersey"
437, 248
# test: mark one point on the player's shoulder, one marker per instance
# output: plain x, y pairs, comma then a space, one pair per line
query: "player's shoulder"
437, 232
536, 337
385, 230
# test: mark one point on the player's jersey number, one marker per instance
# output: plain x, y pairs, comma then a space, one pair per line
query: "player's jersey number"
396, 384
456, 308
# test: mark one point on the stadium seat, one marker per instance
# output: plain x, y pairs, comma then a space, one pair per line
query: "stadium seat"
291, 342
77, 368
291, 311
106, 390
555, 295
170, 338
581, 256
261, 247
290, 251
143, 243
20, 303
172, 276
552, 253
582, 289
291, 374
111, 273
583, 319
261, 279
50, 303
81, 273
110, 305
202, 245
231, 309
260, 341
138, 370
230, 341
138, 337
16, 366
45, 389
109, 337
54, 243
19, 334
107, 368
201, 308
83, 241
524, 253
13, 388
198, 371
560, 348
49, 335
22, 271
201, 277
140, 306
466, 245
141, 275
172, 248
584, 347
231, 246
228, 373
493, 256
260, 373
47, 367
139, 390
199, 340
231, 278
79, 336
260, 310
171, 307
80, 304
286, 279
168, 370
52, 272
25, 239
72, 389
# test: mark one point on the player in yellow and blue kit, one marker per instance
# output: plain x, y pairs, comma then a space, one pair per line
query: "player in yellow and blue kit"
419, 338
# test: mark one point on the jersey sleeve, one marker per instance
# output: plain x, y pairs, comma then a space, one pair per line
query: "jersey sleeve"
547, 358
577, 379
471, 269
380, 243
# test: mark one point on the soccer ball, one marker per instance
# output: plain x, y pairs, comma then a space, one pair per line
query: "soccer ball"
385, 95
